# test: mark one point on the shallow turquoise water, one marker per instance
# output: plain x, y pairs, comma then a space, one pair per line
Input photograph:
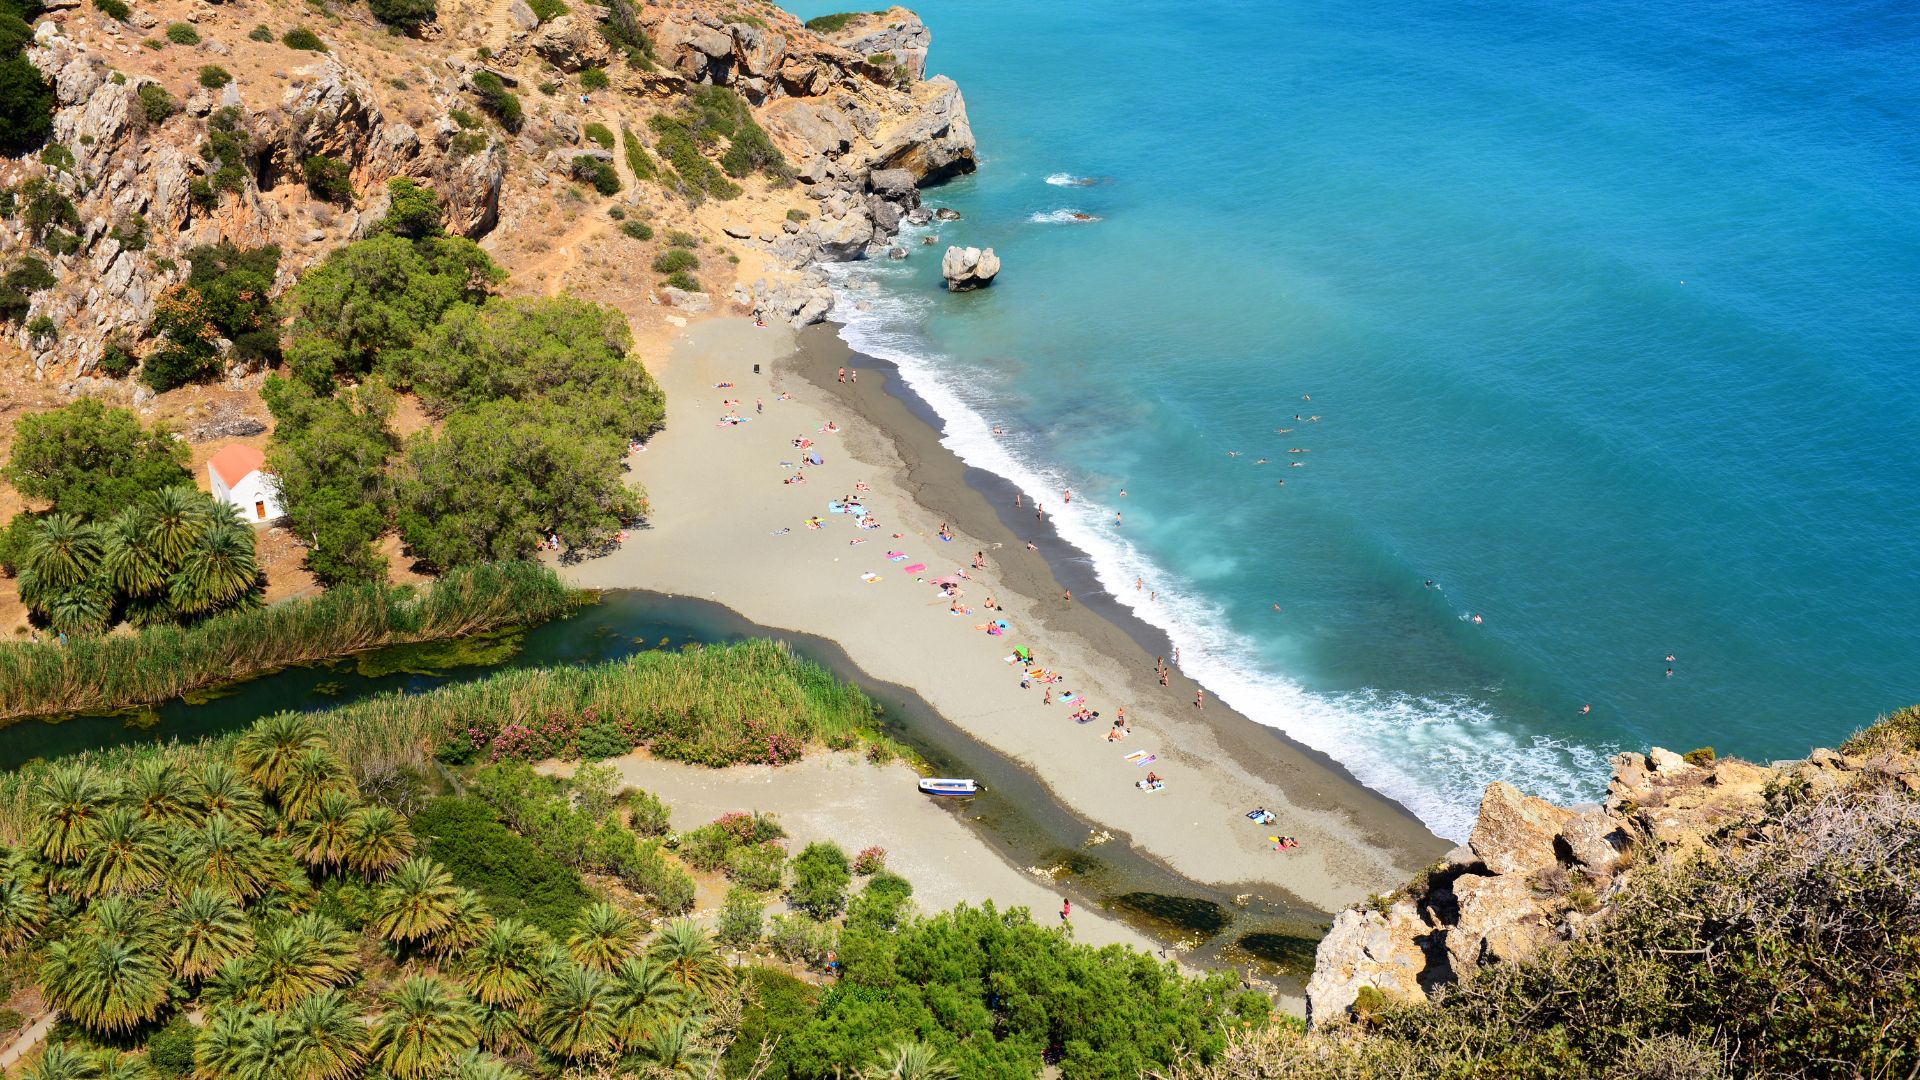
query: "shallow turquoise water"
1611, 315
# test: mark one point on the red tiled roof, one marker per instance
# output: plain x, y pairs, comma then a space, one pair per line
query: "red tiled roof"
235, 462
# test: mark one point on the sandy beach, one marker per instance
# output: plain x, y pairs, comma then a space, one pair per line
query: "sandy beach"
727, 526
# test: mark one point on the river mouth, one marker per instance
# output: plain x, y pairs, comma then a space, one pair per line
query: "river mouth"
1015, 814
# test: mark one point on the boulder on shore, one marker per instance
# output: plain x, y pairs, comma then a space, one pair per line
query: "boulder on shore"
969, 268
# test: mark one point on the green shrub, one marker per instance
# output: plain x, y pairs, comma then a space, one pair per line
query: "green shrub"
682, 239
42, 329
498, 100
546, 10
26, 277
757, 866
328, 178
593, 171
156, 44
639, 230
599, 134
116, 360
827, 24
55, 156
617, 213
260, 33
695, 178
182, 34
705, 848
170, 1050
752, 151
1701, 756
797, 215
156, 103
622, 30
1897, 732
820, 879
113, 9
639, 162
413, 210
463, 118
742, 916
648, 814
594, 78
603, 740
46, 211
303, 39
213, 76
683, 281
225, 149
514, 878
131, 232
674, 259
406, 15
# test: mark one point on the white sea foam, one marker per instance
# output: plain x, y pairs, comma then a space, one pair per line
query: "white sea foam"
1433, 755
1065, 216
1065, 179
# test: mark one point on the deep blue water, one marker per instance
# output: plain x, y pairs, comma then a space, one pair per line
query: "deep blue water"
1610, 314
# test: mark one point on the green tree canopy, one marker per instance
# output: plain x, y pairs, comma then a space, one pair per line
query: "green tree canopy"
330, 455
371, 299
93, 460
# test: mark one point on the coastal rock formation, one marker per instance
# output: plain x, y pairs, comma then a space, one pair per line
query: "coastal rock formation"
966, 268
896, 33
1534, 873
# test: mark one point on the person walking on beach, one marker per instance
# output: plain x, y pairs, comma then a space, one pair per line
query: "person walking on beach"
759, 406
1066, 909
1047, 697
1199, 698
1066, 496
1016, 500
1070, 600
843, 374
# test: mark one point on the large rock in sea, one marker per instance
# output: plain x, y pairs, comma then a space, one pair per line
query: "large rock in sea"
969, 268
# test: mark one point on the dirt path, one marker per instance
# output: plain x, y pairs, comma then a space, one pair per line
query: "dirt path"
28, 1040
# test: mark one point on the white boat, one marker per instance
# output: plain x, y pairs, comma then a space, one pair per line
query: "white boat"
949, 787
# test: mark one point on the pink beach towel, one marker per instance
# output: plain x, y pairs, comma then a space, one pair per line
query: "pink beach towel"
915, 568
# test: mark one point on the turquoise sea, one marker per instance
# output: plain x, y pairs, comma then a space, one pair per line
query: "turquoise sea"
1610, 314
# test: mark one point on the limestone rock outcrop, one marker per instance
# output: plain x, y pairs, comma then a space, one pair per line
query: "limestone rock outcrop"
966, 268
896, 33
1534, 873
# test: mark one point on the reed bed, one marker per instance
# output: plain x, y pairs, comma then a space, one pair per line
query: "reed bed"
715, 705
160, 663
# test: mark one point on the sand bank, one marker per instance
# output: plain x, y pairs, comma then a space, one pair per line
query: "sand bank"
726, 526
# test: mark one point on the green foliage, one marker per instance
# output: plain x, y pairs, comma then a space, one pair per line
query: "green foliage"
546, 10
594, 78
694, 177
131, 232
91, 460
170, 1050
510, 874
1701, 756
303, 39
117, 361
638, 230
600, 134
682, 280
182, 34
156, 102
27, 276
413, 211
620, 25
225, 151
820, 878
639, 162
405, 15
752, 151
42, 329
45, 210
797, 215
213, 76
742, 916
1897, 732
164, 662
682, 239
495, 98
330, 456
757, 866
56, 156
600, 175
113, 9
828, 24
26, 101
260, 33
674, 259
235, 287
328, 178
369, 300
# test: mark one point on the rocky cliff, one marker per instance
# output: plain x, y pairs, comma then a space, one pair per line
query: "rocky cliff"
862, 129
1533, 873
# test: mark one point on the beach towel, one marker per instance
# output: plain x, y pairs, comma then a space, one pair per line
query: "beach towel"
1149, 787
915, 568
870, 578
1069, 698
1001, 623
1134, 758
995, 630
816, 459
896, 556
946, 539
1148, 760
857, 510
1009, 659
836, 508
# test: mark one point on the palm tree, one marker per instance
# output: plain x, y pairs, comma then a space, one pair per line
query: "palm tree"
416, 900
908, 1060
271, 746
204, 929
468, 919
320, 837
108, 983
69, 804
576, 1015
317, 771
606, 935
62, 554
124, 1066
162, 792
474, 1065
224, 791
77, 612
673, 1046
59, 1061
502, 1028
23, 907
377, 840
225, 856
177, 519
302, 957
643, 994
218, 572
426, 1024
504, 966
127, 854
227, 1048
323, 1035
127, 563
686, 950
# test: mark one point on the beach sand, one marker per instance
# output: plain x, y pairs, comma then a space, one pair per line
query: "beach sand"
840, 797
724, 526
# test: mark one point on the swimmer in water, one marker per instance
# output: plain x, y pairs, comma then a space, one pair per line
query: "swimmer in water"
1281, 430
1429, 583
1233, 453
1669, 658
1296, 464
1276, 607
1585, 709
1476, 620
1123, 493
1669, 673
1259, 461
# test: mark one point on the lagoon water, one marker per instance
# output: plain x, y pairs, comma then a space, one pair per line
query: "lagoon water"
1610, 314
